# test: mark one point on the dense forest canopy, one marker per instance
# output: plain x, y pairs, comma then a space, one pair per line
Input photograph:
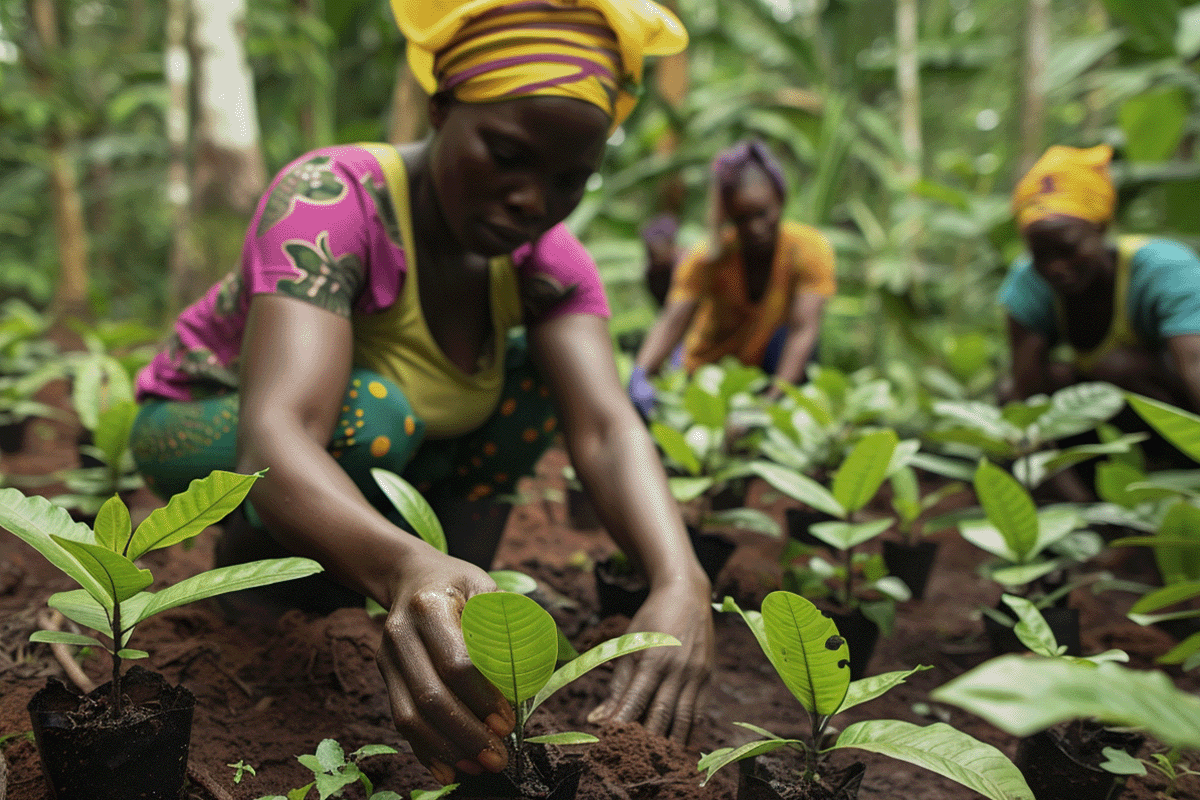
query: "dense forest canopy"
136, 136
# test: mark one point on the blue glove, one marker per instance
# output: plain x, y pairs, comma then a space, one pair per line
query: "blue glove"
641, 392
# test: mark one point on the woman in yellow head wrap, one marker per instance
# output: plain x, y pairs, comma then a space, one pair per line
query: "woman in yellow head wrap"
369, 326
1128, 308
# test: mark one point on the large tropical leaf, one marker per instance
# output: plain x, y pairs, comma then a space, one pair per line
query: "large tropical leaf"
1179, 427
1079, 408
34, 519
864, 470
1008, 507
228, 579
799, 487
413, 507
942, 749
79, 606
1023, 695
512, 641
810, 654
118, 577
205, 502
601, 653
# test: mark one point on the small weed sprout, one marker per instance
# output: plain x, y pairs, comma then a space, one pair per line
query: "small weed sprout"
240, 767
333, 771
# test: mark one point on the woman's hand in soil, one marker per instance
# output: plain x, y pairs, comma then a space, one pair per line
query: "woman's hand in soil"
663, 686
450, 714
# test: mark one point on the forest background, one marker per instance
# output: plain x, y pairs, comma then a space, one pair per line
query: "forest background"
136, 137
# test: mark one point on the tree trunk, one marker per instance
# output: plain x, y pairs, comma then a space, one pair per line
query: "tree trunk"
1033, 107
230, 172
908, 84
185, 270
409, 116
71, 292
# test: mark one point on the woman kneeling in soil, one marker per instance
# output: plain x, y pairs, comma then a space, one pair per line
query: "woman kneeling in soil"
324, 357
756, 292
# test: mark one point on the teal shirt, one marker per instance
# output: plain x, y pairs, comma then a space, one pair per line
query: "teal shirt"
1164, 294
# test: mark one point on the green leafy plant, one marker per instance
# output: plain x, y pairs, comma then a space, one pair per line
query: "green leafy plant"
1169, 764
811, 658
333, 770
115, 594
1022, 695
1035, 633
693, 427
1023, 436
240, 768
911, 506
113, 472
420, 515
513, 642
1030, 544
857, 580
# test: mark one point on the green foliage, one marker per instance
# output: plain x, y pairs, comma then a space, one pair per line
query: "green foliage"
513, 642
333, 770
240, 768
812, 659
1023, 695
114, 597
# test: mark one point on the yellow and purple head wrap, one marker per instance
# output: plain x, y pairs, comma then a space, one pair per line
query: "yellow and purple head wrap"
488, 50
1066, 181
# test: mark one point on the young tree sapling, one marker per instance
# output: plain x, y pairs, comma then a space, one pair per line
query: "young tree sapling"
115, 596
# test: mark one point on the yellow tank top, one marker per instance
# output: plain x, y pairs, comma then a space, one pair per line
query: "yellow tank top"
397, 344
1120, 330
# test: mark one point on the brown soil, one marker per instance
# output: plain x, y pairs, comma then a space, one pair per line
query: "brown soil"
271, 689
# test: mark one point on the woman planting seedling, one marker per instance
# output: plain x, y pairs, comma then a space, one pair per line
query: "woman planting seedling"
373, 323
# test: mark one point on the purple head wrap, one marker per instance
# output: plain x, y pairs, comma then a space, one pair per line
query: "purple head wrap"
731, 163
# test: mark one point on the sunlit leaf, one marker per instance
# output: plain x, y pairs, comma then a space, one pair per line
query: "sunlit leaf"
413, 507
811, 656
119, 577
205, 502
512, 641
864, 470
604, 652
1008, 507
944, 750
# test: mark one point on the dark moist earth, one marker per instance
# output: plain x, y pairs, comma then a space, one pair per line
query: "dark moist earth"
271, 689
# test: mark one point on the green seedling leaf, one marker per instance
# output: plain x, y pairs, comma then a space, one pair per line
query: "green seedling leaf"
79, 606
799, 487
944, 750
368, 750
1177, 426
1008, 507
711, 762
132, 654
113, 526
1167, 596
601, 653
510, 580
512, 641
205, 502
744, 519
35, 520
1184, 651
864, 470
844, 535
118, 576
1024, 695
329, 756
63, 637
227, 579
1079, 408
707, 409
1032, 628
812, 658
686, 489
675, 445
413, 507
113, 428
431, 794
1118, 762
754, 621
1024, 574
329, 785
1178, 564
864, 689
567, 737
